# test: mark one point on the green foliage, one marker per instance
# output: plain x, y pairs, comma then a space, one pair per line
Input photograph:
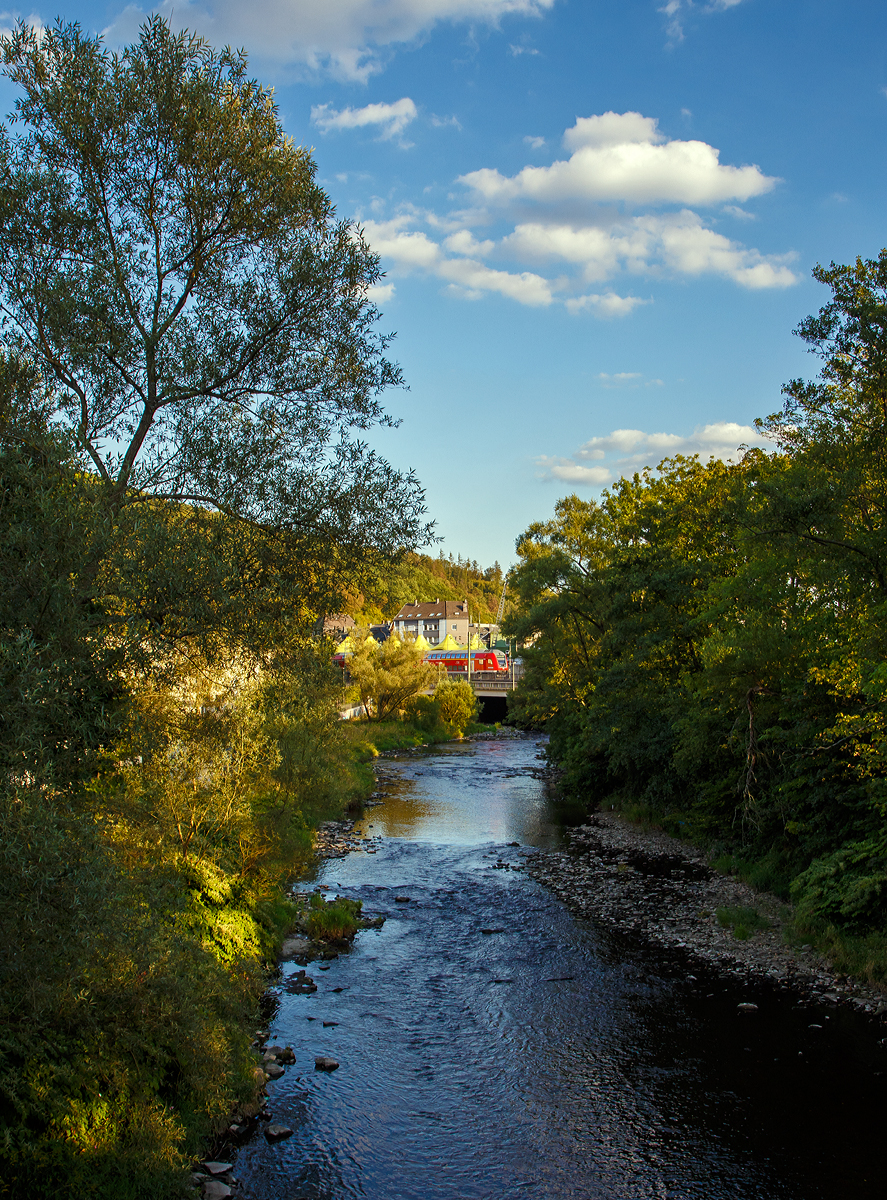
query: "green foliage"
332, 921
742, 920
456, 704
421, 577
706, 643
389, 675
179, 282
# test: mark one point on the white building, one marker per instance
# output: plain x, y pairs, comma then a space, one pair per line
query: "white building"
434, 619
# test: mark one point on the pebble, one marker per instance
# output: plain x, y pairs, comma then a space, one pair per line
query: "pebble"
325, 1064
216, 1190
276, 1133
650, 885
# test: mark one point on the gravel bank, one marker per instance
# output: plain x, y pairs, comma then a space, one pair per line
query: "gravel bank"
652, 886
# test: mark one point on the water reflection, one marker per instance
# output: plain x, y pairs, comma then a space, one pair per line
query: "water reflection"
465, 794
494, 1047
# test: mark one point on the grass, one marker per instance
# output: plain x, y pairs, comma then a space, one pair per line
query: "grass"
369, 739
862, 955
332, 921
742, 920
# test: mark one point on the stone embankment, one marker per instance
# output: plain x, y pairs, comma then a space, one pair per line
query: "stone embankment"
647, 884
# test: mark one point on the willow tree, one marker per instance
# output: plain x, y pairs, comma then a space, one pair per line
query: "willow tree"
171, 268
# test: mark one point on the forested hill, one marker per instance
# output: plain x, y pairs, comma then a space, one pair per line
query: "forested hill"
711, 650
421, 577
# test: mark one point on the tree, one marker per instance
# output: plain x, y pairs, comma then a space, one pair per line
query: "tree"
457, 704
180, 282
387, 676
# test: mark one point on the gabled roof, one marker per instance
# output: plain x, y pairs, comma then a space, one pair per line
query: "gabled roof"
427, 609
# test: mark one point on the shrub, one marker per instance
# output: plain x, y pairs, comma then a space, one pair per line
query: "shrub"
334, 921
457, 704
742, 920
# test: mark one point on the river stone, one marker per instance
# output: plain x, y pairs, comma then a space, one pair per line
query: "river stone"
216, 1190
747, 1008
293, 947
286, 1056
276, 1133
401, 900
325, 1064
273, 1071
218, 1168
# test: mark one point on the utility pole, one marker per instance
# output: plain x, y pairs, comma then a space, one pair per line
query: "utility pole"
468, 610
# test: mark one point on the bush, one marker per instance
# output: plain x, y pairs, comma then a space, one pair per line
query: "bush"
457, 704
334, 921
847, 888
742, 920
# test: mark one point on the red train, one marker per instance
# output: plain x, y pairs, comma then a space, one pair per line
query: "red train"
481, 660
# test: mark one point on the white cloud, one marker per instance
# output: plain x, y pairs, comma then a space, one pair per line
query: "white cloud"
349, 38
625, 451
536, 142
516, 50
733, 210
381, 293
677, 242
464, 242
8, 21
475, 278
674, 9
391, 119
623, 157
621, 379
468, 278
607, 305
557, 236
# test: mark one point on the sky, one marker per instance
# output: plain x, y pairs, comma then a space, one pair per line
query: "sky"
597, 218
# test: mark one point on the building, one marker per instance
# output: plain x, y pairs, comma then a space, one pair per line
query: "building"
434, 619
336, 626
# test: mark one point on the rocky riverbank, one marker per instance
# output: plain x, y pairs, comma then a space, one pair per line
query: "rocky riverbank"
647, 884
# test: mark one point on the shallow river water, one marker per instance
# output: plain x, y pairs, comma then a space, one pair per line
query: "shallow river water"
492, 1046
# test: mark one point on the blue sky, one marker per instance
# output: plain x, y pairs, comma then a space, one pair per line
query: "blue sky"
598, 220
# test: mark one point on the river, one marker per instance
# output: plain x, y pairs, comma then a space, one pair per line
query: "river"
492, 1046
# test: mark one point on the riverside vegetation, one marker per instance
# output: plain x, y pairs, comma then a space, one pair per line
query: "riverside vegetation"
189, 359
709, 641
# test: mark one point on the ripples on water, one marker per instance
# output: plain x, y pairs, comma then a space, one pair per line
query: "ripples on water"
546, 1060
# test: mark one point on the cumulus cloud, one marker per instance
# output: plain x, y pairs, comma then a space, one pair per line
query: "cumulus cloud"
381, 293
413, 249
623, 157
391, 119
608, 304
351, 39
562, 233
8, 21
678, 242
601, 460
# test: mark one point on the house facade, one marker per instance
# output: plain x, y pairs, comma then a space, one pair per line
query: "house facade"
434, 619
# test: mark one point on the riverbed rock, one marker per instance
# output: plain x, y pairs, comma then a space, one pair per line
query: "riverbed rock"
301, 983
325, 1064
295, 947
218, 1168
277, 1132
274, 1070
216, 1190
